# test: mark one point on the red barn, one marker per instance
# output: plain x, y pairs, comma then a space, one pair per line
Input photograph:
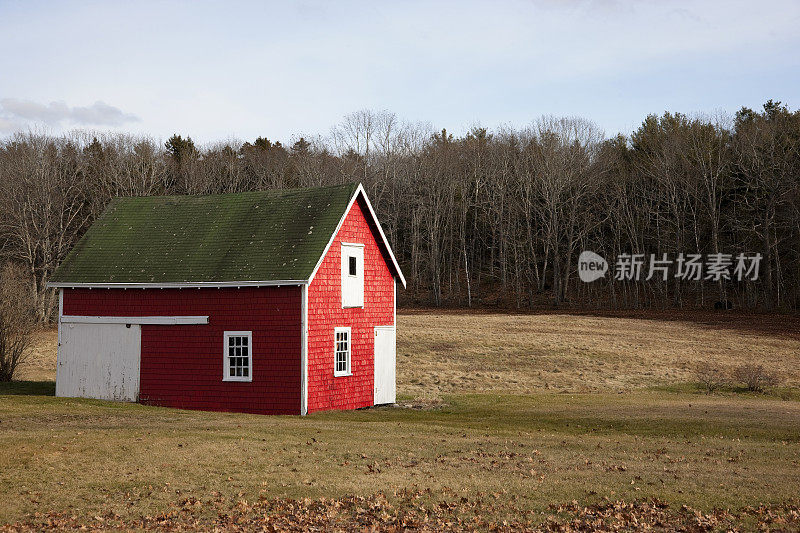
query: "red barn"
276, 302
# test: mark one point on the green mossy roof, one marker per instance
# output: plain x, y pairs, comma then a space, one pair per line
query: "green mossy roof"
251, 236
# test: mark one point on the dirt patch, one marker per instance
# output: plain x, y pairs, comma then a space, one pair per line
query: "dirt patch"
420, 404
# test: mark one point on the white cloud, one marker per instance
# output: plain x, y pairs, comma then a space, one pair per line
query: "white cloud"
15, 112
300, 66
8, 125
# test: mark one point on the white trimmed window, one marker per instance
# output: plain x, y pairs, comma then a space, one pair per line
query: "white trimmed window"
352, 274
341, 352
238, 356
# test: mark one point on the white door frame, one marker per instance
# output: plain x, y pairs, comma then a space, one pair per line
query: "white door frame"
386, 385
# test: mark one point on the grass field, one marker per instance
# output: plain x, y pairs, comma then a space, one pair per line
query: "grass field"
539, 420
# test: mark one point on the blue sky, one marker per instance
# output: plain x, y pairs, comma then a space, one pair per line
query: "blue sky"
222, 70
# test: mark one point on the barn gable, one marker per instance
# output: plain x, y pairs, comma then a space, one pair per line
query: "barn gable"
327, 312
375, 226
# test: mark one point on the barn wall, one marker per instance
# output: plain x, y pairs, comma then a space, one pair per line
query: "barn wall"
182, 366
325, 313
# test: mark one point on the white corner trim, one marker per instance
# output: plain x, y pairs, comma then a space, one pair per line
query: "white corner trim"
59, 348
359, 190
303, 350
60, 312
176, 285
149, 320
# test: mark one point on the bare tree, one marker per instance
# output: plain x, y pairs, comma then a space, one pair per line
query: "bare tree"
45, 204
489, 217
767, 148
16, 321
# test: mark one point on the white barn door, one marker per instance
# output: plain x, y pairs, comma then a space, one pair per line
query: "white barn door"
385, 365
99, 361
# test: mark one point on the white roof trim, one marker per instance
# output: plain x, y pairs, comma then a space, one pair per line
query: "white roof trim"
159, 320
176, 285
360, 190
383, 235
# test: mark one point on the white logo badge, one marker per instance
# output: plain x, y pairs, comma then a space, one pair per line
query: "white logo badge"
591, 266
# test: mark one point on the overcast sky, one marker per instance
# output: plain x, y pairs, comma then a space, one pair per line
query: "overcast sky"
221, 70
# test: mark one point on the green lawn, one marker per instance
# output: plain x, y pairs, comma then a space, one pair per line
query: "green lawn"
520, 452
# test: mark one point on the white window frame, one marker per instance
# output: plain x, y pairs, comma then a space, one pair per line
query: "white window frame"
349, 370
226, 364
349, 280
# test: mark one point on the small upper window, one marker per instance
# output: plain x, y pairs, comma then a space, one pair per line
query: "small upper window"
352, 275
341, 352
238, 359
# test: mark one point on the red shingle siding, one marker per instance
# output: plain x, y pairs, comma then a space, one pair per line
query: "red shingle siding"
182, 366
325, 313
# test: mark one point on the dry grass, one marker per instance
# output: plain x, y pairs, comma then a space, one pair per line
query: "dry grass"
458, 353
40, 363
522, 453
505, 435
449, 353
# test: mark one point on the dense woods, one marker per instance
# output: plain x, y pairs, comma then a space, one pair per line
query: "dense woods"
493, 218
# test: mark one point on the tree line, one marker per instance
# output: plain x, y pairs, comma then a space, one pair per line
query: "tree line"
490, 218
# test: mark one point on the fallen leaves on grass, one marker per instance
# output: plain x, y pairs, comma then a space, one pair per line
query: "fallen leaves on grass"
416, 510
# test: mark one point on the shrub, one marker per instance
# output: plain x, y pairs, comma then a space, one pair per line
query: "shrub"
755, 377
711, 377
16, 321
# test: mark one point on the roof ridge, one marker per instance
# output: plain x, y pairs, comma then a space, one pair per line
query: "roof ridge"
352, 185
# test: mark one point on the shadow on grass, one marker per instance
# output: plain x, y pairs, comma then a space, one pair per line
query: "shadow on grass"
28, 388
